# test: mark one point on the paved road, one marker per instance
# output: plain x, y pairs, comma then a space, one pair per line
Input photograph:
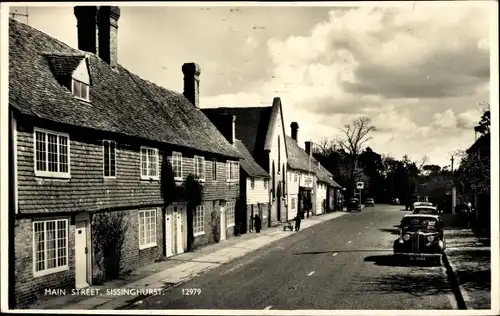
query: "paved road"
344, 263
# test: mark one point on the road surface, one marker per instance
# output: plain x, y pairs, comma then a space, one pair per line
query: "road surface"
344, 263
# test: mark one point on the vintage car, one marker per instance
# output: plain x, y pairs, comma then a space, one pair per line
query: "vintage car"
353, 205
369, 202
420, 238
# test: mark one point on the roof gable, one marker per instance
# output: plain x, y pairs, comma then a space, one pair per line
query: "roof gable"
249, 165
251, 124
121, 102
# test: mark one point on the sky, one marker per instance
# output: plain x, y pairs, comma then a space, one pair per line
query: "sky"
418, 71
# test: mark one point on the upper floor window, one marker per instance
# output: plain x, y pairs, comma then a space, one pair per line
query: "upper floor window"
295, 177
80, 90
293, 203
252, 183
233, 170
265, 183
149, 163
214, 170
199, 167
51, 154
109, 147
177, 165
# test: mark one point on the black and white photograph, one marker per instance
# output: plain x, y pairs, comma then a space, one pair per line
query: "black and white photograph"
252, 158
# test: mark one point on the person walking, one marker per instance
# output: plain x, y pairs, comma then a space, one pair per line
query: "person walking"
298, 219
257, 223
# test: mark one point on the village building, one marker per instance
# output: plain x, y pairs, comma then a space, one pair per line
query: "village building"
93, 147
261, 131
306, 177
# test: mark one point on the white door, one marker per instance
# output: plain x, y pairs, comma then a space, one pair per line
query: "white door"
222, 223
81, 253
169, 233
180, 229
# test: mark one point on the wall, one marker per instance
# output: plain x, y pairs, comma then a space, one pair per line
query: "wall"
320, 195
258, 194
293, 191
279, 176
27, 287
132, 256
87, 189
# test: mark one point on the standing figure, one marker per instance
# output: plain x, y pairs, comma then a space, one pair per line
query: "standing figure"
298, 219
257, 223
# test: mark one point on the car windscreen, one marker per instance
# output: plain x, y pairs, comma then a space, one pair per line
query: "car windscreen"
420, 222
423, 210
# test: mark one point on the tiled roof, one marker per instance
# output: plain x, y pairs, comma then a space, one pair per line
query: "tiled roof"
248, 163
299, 159
250, 127
121, 102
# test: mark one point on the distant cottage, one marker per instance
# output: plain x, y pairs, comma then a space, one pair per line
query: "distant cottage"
92, 144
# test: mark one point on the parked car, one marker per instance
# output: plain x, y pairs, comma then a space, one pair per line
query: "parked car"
421, 238
395, 201
369, 202
354, 205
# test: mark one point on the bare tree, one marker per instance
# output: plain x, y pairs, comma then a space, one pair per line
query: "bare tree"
356, 135
423, 161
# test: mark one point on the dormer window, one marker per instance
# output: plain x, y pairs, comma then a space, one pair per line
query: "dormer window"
80, 90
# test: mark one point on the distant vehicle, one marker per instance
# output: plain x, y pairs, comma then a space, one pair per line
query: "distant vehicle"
417, 204
395, 201
353, 204
369, 202
421, 237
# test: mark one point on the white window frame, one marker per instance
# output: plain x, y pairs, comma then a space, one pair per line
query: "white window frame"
46, 172
199, 173
103, 159
55, 269
233, 169
230, 214
214, 170
177, 156
294, 204
147, 214
266, 183
295, 177
199, 230
252, 183
83, 84
148, 177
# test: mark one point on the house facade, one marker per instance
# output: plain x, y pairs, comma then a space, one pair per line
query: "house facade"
261, 131
98, 155
254, 180
307, 177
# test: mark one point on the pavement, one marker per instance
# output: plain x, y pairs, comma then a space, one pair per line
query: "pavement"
173, 271
469, 259
342, 264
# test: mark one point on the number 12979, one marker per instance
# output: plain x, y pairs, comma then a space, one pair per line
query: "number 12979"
191, 291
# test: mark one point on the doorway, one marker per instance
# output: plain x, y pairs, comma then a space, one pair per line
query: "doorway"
81, 254
169, 232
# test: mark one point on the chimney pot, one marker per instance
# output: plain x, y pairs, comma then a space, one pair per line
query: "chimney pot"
192, 73
295, 127
86, 17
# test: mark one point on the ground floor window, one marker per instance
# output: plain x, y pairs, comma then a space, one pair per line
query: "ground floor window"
199, 220
50, 246
147, 229
230, 214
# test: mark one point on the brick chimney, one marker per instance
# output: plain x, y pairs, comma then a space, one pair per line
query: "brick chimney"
86, 17
226, 126
308, 147
108, 34
192, 83
295, 128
